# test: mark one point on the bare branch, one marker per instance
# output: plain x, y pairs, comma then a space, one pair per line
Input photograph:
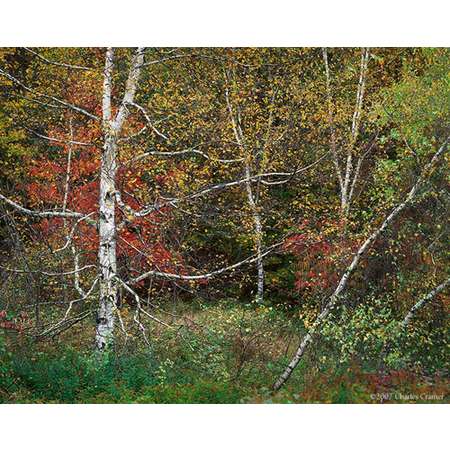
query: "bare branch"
65, 319
166, 58
55, 63
51, 139
188, 151
50, 274
149, 122
138, 303
205, 276
55, 99
254, 178
43, 214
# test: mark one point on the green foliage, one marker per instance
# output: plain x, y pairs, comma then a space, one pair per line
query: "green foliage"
201, 392
232, 354
360, 332
418, 105
69, 376
223, 343
6, 379
371, 335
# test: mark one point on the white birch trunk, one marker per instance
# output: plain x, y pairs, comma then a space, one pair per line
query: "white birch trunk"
257, 237
107, 226
107, 199
347, 180
422, 302
411, 313
107, 246
335, 297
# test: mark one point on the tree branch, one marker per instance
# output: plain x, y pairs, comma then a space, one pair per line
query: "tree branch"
55, 99
43, 214
55, 63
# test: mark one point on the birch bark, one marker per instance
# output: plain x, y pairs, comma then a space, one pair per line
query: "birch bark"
258, 236
347, 176
409, 316
107, 257
258, 232
107, 226
422, 302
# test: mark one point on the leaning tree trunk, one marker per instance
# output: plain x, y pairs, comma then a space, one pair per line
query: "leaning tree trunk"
423, 301
335, 298
411, 314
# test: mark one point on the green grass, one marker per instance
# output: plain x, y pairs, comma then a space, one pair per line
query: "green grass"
225, 354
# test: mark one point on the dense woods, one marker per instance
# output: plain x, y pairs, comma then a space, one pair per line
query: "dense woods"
224, 225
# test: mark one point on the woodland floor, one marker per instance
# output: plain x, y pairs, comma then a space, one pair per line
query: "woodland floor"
211, 354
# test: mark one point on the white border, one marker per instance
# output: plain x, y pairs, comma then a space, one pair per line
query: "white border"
227, 427
225, 23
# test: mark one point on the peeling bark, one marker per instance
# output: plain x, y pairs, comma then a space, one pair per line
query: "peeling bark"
107, 226
107, 246
107, 199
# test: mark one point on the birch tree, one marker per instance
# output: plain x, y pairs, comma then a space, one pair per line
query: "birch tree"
248, 156
336, 296
423, 302
112, 127
346, 171
114, 119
